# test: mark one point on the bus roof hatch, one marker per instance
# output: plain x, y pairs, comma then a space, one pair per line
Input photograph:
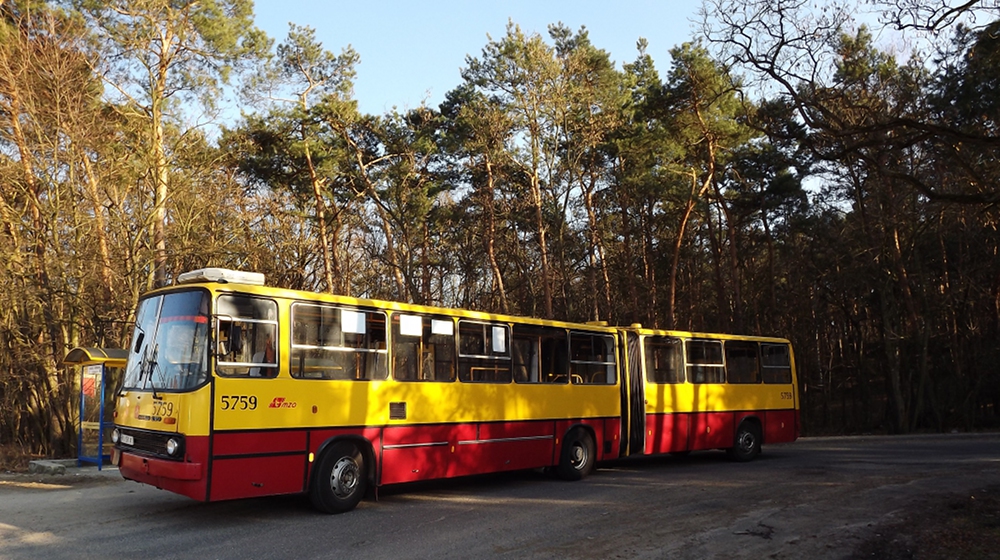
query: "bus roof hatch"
224, 275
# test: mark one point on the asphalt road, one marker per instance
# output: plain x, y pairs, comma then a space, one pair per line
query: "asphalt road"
816, 498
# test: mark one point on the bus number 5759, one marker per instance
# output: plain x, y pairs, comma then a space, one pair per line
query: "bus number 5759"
239, 402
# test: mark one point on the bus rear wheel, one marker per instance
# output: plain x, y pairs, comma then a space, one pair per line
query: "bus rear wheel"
578, 456
340, 479
746, 444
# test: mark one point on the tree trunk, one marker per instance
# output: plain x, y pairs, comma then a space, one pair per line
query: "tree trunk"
105, 270
160, 173
333, 283
675, 260
596, 255
490, 207
543, 246
734, 271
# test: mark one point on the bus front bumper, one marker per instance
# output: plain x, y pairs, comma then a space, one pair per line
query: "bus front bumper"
142, 469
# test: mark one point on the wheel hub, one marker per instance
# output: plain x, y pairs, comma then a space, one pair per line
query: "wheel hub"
579, 456
344, 477
747, 442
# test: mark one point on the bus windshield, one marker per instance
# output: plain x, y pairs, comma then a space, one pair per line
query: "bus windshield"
169, 350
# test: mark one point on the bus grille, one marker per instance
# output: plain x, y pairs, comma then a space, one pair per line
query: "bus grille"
150, 443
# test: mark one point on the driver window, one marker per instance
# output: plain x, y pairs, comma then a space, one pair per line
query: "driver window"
247, 337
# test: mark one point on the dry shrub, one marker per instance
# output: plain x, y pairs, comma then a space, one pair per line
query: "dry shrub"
14, 458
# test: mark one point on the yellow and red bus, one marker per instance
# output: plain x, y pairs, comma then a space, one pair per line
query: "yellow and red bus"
235, 389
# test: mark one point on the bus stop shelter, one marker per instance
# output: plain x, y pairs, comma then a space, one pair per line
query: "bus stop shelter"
100, 370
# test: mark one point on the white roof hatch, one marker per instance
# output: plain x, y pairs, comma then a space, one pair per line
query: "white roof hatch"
223, 275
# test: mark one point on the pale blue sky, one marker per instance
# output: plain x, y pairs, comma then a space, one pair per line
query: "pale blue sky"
412, 52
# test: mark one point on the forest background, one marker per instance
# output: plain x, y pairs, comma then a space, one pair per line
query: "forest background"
791, 172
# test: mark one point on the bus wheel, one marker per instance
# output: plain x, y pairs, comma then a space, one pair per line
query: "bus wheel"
746, 444
577, 457
340, 479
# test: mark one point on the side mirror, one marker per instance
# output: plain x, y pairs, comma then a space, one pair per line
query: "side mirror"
139, 338
235, 338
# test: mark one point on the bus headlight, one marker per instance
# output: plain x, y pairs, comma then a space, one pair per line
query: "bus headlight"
115, 436
172, 446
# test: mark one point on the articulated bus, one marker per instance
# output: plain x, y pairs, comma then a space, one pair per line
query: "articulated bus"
235, 389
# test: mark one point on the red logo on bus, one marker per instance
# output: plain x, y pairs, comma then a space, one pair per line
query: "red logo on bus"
280, 402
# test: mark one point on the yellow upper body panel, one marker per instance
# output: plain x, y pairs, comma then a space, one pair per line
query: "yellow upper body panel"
711, 397
284, 402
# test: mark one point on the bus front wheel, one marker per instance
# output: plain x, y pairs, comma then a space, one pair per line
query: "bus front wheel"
340, 479
577, 457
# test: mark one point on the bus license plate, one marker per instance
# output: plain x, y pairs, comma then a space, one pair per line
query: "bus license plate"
128, 440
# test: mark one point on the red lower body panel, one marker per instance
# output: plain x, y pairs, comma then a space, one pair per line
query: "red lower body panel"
265, 463
257, 476
781, 426
668, 433
419, 453
712, 431
412, 453
258, 463
424, 452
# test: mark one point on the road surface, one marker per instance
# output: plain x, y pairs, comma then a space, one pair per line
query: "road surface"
816, 498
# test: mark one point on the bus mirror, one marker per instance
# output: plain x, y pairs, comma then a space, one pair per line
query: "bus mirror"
138, 341
235, 338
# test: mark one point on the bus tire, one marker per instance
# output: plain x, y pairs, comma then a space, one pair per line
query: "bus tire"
577, 457
746, 444
340, 479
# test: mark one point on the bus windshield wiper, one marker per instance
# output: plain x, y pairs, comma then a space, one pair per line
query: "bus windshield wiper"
149, 365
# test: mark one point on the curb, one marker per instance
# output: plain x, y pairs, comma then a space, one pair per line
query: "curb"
50, 466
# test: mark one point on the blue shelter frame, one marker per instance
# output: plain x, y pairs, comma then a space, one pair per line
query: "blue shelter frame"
99, 369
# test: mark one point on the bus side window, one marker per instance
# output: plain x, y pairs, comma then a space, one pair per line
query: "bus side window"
484, 352
539, 354
555, 358
704, 361
423, 348
524, 352
404, 358
592, 359
741, 362
337, 343
776, 363
247, 336
664, 360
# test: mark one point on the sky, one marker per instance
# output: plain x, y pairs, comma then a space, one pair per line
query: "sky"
413, 52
